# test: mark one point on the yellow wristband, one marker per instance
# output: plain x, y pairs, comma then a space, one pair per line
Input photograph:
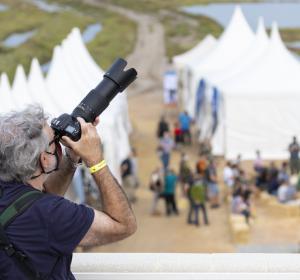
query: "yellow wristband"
97, 167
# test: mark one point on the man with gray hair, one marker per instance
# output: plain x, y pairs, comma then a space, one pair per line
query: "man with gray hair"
38, 242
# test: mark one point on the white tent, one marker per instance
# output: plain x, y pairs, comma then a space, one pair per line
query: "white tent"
20, 92
6, 103
254, 52
187, 61
234, 41
261, 104
38, 91
196, 53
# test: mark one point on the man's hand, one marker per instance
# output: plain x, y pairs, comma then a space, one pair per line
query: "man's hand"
88, 147
73, 156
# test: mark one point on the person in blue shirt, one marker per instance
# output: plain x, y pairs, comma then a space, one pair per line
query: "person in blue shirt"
52, 227
185, 124
169, 192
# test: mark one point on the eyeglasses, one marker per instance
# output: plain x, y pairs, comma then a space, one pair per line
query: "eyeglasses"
58, 148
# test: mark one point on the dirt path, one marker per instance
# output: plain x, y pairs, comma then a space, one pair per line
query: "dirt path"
148, 56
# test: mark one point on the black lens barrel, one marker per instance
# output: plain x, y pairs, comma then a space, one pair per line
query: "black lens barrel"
115, 80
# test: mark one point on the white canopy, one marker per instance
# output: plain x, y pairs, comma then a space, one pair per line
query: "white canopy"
6, 103
196, 53
261, 104
20, 92
234, 41
187, 61
255, 50
38, 90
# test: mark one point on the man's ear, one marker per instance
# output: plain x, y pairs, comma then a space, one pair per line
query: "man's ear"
43, 159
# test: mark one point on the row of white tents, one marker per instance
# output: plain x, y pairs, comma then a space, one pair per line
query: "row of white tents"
72, 74
243, 90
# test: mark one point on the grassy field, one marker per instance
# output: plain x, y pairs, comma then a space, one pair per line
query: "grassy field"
182, 31
52, 28
156, 5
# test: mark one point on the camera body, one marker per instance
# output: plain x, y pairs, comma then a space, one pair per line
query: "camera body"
115, 80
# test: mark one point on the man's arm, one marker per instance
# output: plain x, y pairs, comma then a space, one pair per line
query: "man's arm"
116, 221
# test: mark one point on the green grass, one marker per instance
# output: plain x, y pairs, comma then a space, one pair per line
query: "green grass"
156, 5
116, 39
180, 34
290, 34
183, 32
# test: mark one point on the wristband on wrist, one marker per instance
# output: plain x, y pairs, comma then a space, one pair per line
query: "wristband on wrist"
97, 167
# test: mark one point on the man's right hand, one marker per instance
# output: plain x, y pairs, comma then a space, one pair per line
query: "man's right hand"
88, 147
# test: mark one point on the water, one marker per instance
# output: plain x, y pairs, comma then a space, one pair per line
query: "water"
17, 39
46, 7
45, 67
295, 45
3, 8
91, 32
285, 13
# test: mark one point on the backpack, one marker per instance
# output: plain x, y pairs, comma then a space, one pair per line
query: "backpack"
198, 193
7, 216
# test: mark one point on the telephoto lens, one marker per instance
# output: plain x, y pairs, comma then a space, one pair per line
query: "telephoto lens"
115, 80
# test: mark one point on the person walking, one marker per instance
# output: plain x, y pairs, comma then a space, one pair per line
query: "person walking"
185, 172
294, 149
213, 188
166, 145
185, 124
169, 192
163, 127
156, 186
197, 198
128, 178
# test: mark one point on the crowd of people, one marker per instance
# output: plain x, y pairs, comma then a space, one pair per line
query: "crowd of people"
283, 181
199, 185
197, 182
279, 180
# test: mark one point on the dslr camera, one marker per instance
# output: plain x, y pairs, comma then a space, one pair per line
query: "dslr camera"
115, 80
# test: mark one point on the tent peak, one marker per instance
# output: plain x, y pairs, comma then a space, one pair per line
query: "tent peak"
35, 69
4, 80
275, 35
261, 30
237, 25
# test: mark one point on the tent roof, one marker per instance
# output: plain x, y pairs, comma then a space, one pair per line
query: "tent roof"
233, 42
20, 91
37, 88
207, 44
254, 51
277, 71
6, 103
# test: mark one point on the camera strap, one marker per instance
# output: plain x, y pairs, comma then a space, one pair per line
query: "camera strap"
7, 216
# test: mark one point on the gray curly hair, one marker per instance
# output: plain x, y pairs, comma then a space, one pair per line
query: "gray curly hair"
22, 140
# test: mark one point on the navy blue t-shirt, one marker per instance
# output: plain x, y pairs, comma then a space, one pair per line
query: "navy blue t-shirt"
49, 230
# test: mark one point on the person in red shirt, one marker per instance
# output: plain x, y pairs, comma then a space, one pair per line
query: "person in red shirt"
178, 135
